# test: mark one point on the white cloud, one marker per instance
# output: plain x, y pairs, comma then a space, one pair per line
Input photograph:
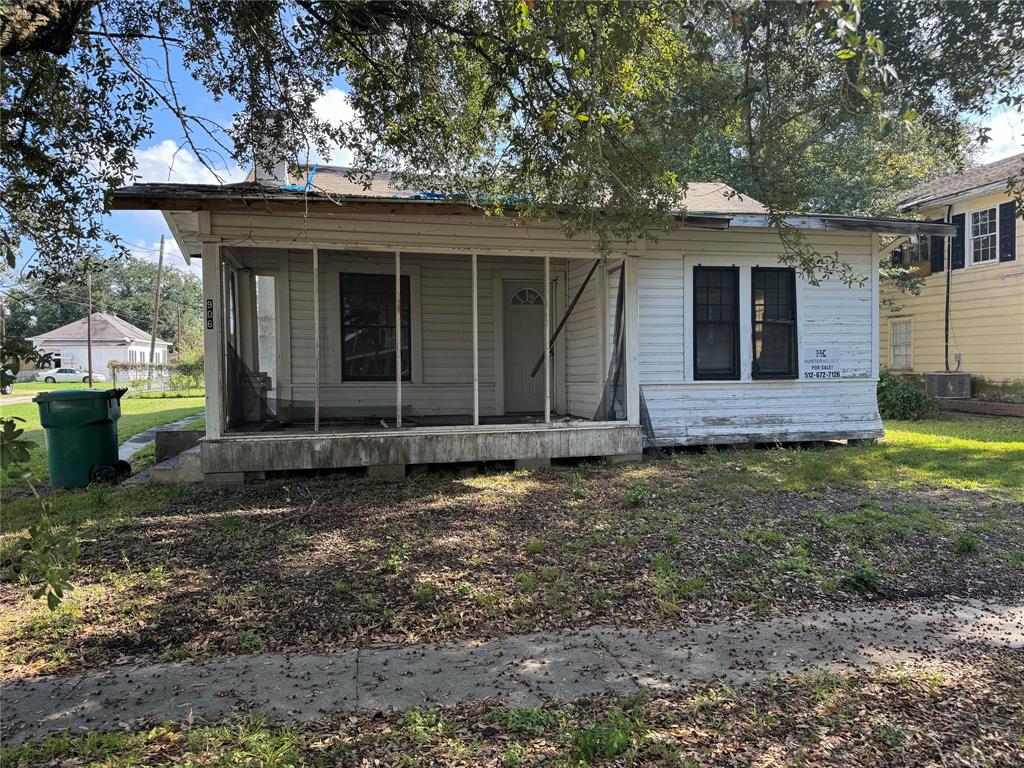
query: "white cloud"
1006, 134
169, 161
334, 107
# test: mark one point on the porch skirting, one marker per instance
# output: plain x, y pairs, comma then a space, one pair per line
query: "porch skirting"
270, 452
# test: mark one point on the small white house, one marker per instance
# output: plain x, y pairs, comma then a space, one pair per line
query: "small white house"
381, 328
112, 339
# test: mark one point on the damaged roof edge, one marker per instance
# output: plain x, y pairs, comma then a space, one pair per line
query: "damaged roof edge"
189, 198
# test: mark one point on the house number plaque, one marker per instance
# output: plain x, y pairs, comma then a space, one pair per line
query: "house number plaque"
209, 314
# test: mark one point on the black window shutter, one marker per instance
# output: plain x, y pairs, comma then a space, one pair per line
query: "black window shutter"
937, 250
896, 257
956, 252
1008, 231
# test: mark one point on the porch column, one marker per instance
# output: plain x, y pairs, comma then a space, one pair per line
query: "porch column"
476, 346
547, 339
398, 338
213, 337
631, 336
247, 330
316, 339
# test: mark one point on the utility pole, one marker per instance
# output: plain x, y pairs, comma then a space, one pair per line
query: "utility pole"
156, 309
88, 325
177, 338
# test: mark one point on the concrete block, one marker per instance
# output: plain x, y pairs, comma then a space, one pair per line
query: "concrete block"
386, 471
170, 443
183, 468
532, 463
224, 478
625, 458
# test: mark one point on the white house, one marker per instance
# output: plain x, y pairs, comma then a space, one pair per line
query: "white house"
380, 327
112, 339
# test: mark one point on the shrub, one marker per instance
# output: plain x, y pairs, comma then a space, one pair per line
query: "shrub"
863, 580
898, 398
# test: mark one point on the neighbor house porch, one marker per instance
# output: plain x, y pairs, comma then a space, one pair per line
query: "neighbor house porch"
324, 356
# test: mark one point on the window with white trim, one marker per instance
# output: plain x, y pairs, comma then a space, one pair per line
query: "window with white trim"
984, 229
899, 344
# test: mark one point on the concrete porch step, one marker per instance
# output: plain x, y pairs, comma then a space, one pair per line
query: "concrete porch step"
183, 468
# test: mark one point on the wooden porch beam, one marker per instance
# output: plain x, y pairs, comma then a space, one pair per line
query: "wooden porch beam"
547, 335
316, 339
398, 339
213, 337
476, 345
631, 337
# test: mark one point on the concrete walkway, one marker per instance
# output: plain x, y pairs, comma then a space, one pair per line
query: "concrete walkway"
136, 443
515, 670
15, 400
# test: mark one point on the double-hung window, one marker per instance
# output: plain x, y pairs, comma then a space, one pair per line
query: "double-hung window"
773, 319
716, 327
368, 327
899, 344
984, 246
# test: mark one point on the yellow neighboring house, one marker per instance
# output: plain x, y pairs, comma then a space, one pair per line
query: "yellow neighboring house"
969, 316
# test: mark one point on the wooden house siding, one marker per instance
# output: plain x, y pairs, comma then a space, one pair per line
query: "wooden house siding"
831, 314
435, 253
986, 313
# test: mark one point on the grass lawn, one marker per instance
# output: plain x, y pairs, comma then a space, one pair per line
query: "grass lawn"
959, 714
308, 564
137, 415
31, 388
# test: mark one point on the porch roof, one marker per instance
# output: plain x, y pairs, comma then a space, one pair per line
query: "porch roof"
710, 205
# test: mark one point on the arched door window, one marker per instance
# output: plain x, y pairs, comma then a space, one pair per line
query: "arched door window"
526, 296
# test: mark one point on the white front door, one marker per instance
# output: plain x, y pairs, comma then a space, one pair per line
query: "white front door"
523, 345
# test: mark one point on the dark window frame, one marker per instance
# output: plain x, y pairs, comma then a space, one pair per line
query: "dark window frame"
793, 371
406, 283
717, 375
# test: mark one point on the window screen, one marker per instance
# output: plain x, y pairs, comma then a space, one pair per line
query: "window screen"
773, 316
899, 342
368, 328
716, 339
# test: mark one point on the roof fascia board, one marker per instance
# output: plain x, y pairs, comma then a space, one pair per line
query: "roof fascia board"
178, 239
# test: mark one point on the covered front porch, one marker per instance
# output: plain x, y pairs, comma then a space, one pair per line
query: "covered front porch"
321, 356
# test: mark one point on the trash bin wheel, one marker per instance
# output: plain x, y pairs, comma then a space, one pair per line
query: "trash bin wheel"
106, 474
50, 380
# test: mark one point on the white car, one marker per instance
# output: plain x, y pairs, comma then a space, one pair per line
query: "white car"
68, 374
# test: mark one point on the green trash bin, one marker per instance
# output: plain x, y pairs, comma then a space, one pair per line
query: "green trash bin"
81, 435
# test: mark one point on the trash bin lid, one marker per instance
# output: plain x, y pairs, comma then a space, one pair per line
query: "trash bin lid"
75, 394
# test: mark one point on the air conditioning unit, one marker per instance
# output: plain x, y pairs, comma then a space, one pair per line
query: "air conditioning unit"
952, 386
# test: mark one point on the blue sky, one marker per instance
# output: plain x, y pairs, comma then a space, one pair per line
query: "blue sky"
163, 158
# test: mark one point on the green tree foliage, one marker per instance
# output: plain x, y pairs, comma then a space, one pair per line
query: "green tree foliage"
123, 287
570, 107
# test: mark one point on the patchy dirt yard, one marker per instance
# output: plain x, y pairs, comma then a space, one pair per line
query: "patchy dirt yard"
323, 564
957, 714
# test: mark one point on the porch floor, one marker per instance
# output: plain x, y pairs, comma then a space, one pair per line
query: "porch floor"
386, 424
365, 445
